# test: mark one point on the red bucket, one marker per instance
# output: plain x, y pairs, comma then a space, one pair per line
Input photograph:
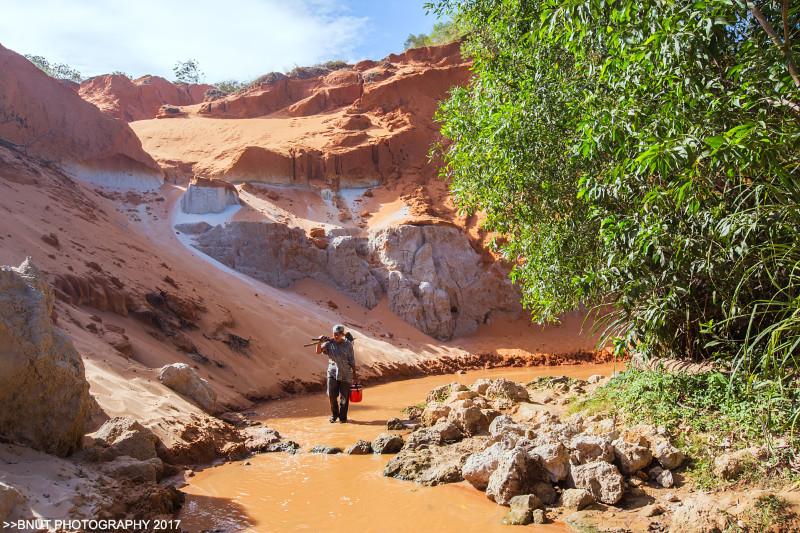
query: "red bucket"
356, 394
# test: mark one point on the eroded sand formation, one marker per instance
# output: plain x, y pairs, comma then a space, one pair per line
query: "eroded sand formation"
80, 195
42, 118
139, 99
360, 126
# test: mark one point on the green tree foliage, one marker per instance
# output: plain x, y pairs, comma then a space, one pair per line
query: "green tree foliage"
59, 71
640, 154
442, 32
318, 69
188, 71
231, 86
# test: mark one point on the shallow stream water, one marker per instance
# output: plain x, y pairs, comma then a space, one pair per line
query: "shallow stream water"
309, 492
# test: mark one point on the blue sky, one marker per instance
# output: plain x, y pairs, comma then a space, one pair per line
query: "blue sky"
231, 39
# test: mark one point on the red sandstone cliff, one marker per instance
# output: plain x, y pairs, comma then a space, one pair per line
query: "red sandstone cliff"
140, 99
42, 117
363, 125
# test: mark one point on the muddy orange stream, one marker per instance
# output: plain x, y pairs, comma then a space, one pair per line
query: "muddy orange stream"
308, 492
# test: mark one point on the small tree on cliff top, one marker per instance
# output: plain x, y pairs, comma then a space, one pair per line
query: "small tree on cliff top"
60, 71
442, 33
188, 71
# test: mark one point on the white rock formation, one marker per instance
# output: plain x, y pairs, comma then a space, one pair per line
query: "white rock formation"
115, 177
433, 278
438, 283
208, 196
279, 255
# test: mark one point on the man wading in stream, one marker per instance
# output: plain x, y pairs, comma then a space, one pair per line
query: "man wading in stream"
341, 370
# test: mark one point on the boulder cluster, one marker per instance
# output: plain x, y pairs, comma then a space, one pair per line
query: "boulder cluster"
524, 456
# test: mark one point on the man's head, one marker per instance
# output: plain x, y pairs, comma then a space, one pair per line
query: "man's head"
338, 332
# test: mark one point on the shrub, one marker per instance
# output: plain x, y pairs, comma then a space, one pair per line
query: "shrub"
231, 86
704, 411
59, 71
442, 32
268, 79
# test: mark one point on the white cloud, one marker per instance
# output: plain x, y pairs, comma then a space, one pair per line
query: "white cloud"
238, 39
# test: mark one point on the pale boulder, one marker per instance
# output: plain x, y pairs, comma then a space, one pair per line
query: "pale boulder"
184, 380
669, 456
361, 447
481, 385
433, 465
44, 395
602, 480
443, 432
443, 392
554, 459
522, 508
469, 420
589, 448
504, 425
631, 457
10, 497
387, 443
479, 466
527, 412
666, 479
576, 499
261, 439
513, 476
461, 395
433, 412
507, 389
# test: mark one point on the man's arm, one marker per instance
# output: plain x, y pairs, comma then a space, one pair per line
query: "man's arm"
352, 360
321, 345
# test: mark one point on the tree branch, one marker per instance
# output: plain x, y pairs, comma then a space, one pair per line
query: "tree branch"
783, 46
785, 16
783, 102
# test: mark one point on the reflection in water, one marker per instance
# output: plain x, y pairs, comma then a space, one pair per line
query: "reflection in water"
282, 492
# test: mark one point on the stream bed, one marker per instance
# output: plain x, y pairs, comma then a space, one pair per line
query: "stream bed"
311, 492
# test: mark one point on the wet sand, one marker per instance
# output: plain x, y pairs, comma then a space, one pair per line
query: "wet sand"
307, 492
